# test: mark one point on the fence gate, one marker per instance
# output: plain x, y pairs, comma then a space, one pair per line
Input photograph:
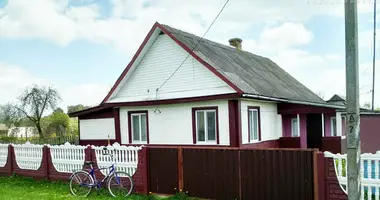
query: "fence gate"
277, 174
211, 173
163, 170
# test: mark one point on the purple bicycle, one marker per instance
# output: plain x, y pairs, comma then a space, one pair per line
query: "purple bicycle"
119, 183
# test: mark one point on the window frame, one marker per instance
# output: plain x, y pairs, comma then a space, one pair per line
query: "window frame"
294, 128
194, 125
332, 127
130, 134
258, 124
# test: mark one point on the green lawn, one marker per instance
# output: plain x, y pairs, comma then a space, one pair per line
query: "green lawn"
16, 187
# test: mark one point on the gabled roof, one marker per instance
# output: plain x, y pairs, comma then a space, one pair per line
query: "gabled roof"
245, 72
337, 100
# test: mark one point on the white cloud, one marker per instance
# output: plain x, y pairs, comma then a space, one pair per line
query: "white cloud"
129, 21
90, 94
287, 35
14, 79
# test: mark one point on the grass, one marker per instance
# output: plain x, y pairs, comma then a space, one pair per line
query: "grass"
16, 187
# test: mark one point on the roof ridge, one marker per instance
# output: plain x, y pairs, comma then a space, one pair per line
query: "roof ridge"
252, 72
227, 47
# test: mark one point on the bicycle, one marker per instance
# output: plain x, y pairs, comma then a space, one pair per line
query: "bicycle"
86, 179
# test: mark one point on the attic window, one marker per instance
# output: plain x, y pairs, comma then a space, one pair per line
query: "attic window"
161, 33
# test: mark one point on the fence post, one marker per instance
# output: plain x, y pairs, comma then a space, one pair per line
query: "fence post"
315, 167
45, 152
180, 169
10, 159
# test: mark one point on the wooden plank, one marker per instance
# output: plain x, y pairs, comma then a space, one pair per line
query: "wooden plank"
180, 168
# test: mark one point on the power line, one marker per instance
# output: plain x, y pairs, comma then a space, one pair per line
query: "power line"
221, 10
374, 55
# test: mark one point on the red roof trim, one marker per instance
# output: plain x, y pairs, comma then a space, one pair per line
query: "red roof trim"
174, 101
155, 102
131, 63
212, 69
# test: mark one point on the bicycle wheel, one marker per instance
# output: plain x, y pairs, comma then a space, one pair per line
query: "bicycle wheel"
120, 184
81, 183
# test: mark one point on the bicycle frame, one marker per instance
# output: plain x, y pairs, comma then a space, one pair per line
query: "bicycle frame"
112, 170
92, 173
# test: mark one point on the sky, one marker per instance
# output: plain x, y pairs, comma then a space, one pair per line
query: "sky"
80, 47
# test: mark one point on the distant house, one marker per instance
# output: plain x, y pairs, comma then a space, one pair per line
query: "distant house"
22, 132
175, 91
3, 130
369, 125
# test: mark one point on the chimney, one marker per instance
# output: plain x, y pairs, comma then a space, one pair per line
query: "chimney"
236, 42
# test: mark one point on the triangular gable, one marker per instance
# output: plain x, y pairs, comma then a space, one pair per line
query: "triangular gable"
145, 46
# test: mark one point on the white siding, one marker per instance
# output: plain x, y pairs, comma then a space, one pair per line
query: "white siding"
157, 65
269, 119
174, 124
97, 129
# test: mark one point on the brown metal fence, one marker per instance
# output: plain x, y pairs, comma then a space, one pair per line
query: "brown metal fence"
276, 174
163, 170
211, 173
233, 173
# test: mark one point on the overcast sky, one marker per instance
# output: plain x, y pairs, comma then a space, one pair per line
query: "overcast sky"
81, 46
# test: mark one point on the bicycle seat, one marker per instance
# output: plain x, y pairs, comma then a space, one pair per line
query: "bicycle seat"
89, 162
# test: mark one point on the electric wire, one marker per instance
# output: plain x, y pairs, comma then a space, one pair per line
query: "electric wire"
221, 10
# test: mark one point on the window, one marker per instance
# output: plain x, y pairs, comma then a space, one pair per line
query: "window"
138, 127
333, 127
205, 125
254, 124
295, 127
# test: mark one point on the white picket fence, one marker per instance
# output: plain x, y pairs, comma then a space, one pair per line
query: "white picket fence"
370, 168
3, 154
67, 158
28, 156
125, 158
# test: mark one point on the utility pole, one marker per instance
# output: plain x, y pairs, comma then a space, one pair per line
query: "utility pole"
352, 93
374, 55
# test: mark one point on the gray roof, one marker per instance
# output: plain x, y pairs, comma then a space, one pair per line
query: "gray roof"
337, 100
253, 74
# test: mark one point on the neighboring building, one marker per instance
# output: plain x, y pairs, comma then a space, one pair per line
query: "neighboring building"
22, 132
219, 96
369, 125
3, 130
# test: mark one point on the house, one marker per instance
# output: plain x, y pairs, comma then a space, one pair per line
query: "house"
178, 91
22, 132
3, 130
369, 123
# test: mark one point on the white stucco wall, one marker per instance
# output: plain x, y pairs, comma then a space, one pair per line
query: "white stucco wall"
174, 124
269, 119
97, 129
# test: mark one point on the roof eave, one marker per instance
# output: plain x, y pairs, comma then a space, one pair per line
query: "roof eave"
87, 111
292, 101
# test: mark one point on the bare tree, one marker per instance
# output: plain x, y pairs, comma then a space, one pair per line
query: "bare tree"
32, 105
321, 94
